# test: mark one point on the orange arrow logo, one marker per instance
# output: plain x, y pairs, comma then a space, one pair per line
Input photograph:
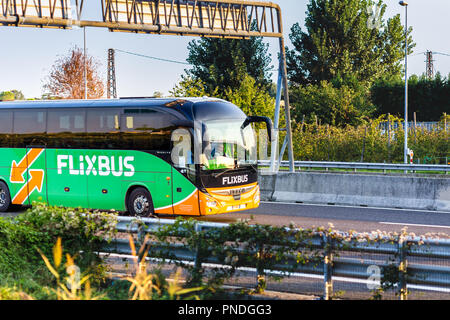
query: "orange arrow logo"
36, 176
17, 170
35, 183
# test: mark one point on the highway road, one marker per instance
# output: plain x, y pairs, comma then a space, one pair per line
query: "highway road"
344, 218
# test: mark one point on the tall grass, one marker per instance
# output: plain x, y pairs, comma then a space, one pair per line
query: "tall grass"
370, 143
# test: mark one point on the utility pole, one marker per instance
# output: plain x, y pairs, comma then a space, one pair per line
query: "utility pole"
111, 83
430, 67
405, 151
85, 66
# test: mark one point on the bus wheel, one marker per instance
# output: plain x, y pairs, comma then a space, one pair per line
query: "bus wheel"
140, 203
5, 197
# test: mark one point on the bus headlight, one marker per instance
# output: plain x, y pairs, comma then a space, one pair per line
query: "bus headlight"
211, 204
256, 198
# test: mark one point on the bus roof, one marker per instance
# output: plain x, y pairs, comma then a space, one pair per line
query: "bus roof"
102, 103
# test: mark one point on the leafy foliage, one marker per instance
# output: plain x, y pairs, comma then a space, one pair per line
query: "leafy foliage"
11, 95
249, 96
222, 64
340, 42
326, 104
7, 96
38, 229
428, 98
369, 141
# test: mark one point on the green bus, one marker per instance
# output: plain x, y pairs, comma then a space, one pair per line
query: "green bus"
144, 156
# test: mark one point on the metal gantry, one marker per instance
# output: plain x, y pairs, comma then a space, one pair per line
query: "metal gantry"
237, 19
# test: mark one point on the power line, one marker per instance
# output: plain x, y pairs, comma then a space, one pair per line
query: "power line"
154, 58
168, 60
444, 54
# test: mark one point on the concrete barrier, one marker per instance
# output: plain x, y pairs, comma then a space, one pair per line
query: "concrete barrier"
358, 189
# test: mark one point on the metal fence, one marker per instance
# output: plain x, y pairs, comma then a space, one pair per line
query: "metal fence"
354, 166
430, 126
410, 263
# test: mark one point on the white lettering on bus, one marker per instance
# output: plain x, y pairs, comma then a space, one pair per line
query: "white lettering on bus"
235, 179
101, 165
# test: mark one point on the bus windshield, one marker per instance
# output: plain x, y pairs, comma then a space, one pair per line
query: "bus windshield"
227, 146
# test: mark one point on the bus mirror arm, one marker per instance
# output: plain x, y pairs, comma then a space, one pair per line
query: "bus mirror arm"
253, 119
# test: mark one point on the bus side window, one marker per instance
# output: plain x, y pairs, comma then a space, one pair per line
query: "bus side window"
6, 128
66, 128
181, 152
29, 127
103, 129
147, 129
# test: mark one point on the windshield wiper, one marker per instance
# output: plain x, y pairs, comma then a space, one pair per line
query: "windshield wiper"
221, 173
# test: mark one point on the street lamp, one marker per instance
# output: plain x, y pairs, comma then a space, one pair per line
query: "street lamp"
405, 153
85, 67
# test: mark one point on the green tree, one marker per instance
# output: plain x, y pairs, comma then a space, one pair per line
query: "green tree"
189, 87
18, 95
342, 40
428, 98
222, 64
249, 96
325, 103
6, 96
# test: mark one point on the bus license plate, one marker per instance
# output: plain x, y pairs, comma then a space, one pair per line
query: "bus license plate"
238, 207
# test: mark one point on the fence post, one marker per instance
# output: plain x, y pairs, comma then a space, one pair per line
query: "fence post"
197, 271
327, 267
260, 276
402, 268
364, 144
389, 137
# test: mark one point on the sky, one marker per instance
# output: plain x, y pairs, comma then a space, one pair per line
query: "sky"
27, 54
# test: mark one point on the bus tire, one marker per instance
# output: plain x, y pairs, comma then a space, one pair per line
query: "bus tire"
5, 197
140, 203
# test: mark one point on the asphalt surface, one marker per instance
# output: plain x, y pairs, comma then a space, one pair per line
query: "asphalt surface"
343, 218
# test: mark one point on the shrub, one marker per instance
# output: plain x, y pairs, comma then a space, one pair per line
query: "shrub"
81, 232
369, 142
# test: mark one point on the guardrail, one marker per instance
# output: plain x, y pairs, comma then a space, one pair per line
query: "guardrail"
408, 274
354, 166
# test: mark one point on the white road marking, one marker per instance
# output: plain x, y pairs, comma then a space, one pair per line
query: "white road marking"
415, 225
355, 207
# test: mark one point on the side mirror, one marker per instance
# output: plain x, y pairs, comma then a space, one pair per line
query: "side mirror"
255, 119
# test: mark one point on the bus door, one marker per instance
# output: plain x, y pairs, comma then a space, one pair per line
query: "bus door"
30, 173
68, 165
185, 193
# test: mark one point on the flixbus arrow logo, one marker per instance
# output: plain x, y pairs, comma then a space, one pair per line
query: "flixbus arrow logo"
36, 176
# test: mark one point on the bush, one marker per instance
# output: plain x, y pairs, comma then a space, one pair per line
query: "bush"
38, 228
368, 142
